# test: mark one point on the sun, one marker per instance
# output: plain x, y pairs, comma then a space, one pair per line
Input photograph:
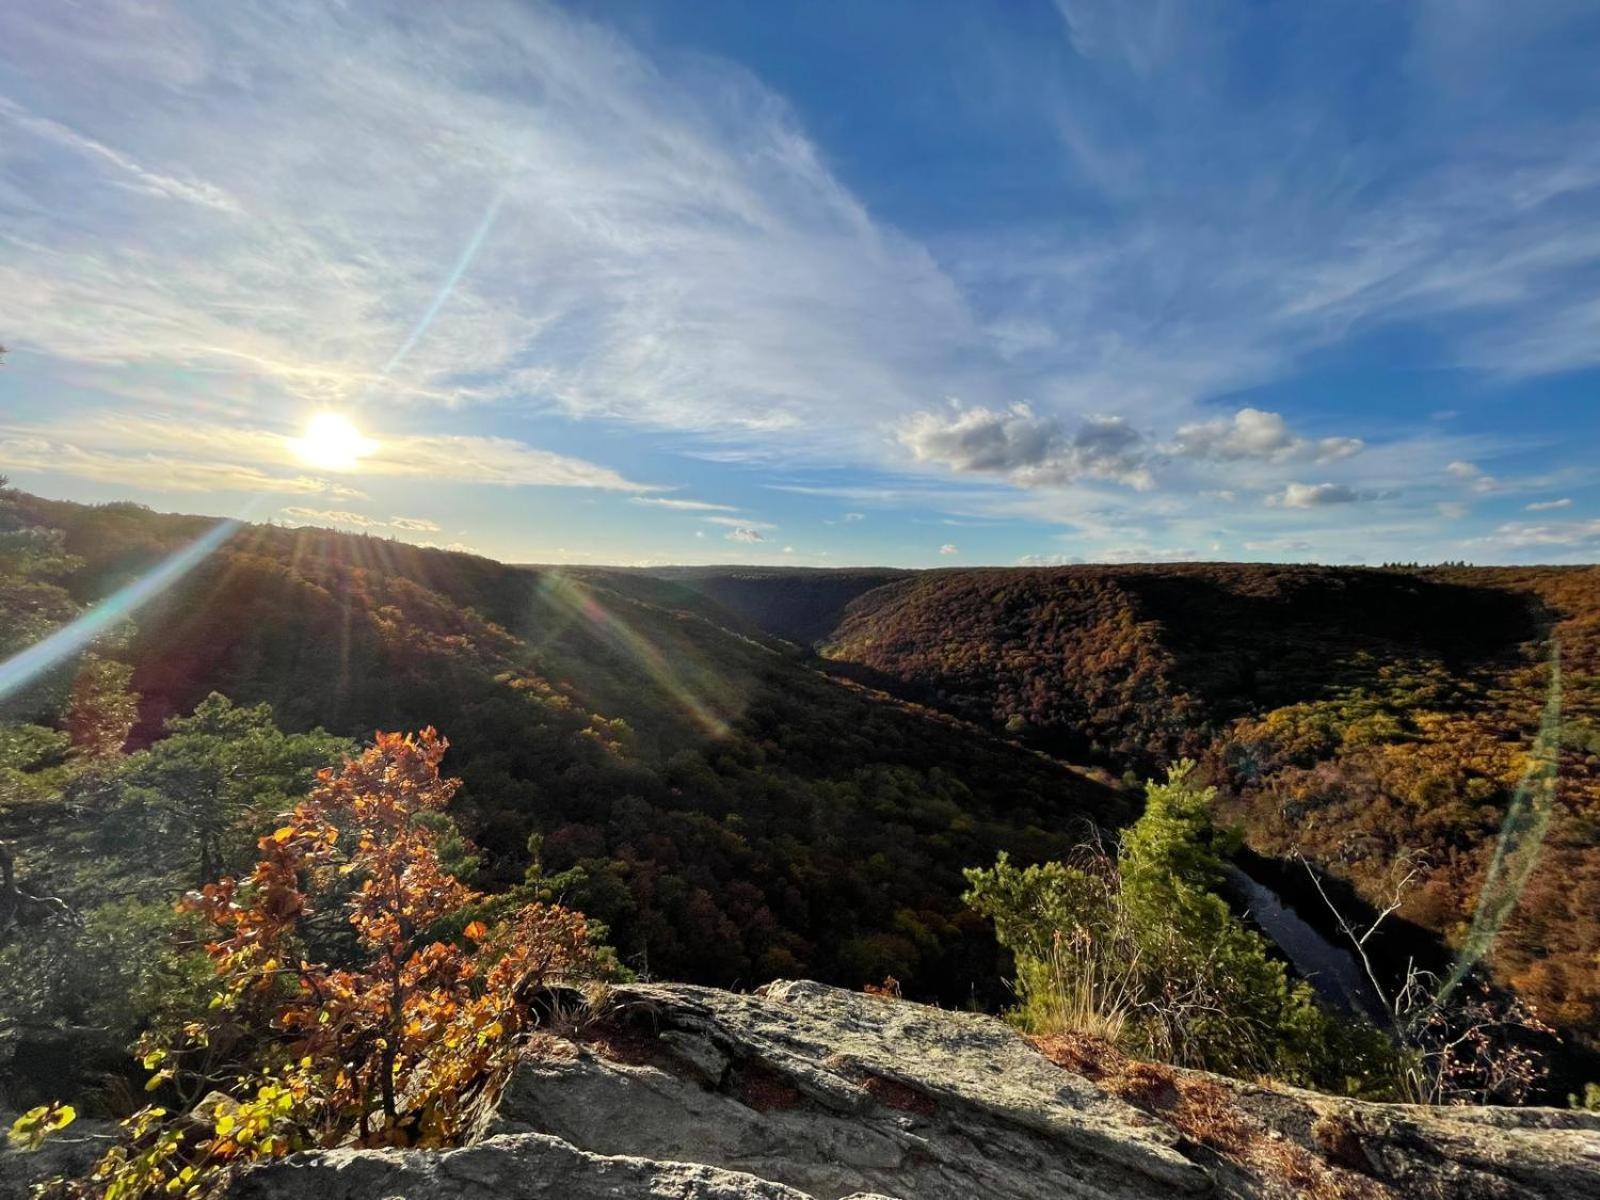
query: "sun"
332, 443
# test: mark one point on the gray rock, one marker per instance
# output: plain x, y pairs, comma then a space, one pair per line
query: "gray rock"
72, 1152
525, 1166
812, 1093
835, 1092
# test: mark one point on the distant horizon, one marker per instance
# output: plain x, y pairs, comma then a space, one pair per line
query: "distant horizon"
924, 283
754, 564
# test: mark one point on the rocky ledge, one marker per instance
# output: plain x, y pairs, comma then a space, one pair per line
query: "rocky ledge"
805, 1092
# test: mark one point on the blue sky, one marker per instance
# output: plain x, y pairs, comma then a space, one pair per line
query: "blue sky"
834, 283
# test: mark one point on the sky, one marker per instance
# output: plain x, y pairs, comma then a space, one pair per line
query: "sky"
909, 283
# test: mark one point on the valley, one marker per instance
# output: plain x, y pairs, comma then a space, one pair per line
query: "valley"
751, 773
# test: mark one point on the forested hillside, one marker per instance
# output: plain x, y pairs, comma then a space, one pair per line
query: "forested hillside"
662, 752
729, 813
1374, 720
802, 605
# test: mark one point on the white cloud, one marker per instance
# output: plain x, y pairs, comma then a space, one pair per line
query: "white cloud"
853, 516
1027, 449
1561, 534
490, 460
745, 534
1472, 475
293, 243
1144, 554
1452, 510
738, 522
1280, 545
156, 472
949, 548
1547, 505
684, 505
1252, 433
325, 516
1113, 554
1315, 495
331, 517
132, 174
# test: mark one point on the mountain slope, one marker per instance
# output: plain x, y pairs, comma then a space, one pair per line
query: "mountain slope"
729, 812
1373, 719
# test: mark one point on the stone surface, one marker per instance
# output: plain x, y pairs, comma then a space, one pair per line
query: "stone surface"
70, 1153
526, 1166
804, 1092
836, 1092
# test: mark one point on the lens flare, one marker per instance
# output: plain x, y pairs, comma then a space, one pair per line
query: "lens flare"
580, 606
1522, 836
23, 668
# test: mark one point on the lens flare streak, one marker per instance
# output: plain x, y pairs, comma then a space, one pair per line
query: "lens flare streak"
468, 253
23, 668
1522, 836
644, 653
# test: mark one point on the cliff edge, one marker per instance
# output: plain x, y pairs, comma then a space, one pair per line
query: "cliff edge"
804, 1091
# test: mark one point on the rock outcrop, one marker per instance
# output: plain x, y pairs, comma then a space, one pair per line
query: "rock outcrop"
805, 1092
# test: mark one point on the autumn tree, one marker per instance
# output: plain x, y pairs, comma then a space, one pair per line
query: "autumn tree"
401, 1039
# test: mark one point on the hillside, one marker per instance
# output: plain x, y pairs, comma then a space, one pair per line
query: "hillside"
728, 812
1373, 719
660, 750
802, 605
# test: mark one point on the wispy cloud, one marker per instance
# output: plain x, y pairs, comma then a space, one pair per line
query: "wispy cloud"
199, 456
324, 516
342, 517
132, 174
157, 472
1563, 539
658, 215
555, 221
683, 505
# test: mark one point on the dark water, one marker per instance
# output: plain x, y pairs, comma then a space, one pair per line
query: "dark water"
1331, 969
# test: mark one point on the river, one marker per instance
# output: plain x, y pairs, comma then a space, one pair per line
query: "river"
1332, 970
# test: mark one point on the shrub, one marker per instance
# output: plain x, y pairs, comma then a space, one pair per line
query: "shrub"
1136, 947
396, 1030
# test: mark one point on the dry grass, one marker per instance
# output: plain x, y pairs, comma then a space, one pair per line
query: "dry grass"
901, 1097
766, 1091
1208, 1113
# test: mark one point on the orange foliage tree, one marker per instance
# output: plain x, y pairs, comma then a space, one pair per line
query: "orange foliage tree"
401, 1044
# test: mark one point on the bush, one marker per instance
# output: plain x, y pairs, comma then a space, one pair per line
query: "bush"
397, 1032
1138, 948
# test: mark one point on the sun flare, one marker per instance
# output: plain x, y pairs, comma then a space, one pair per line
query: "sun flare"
332, 443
